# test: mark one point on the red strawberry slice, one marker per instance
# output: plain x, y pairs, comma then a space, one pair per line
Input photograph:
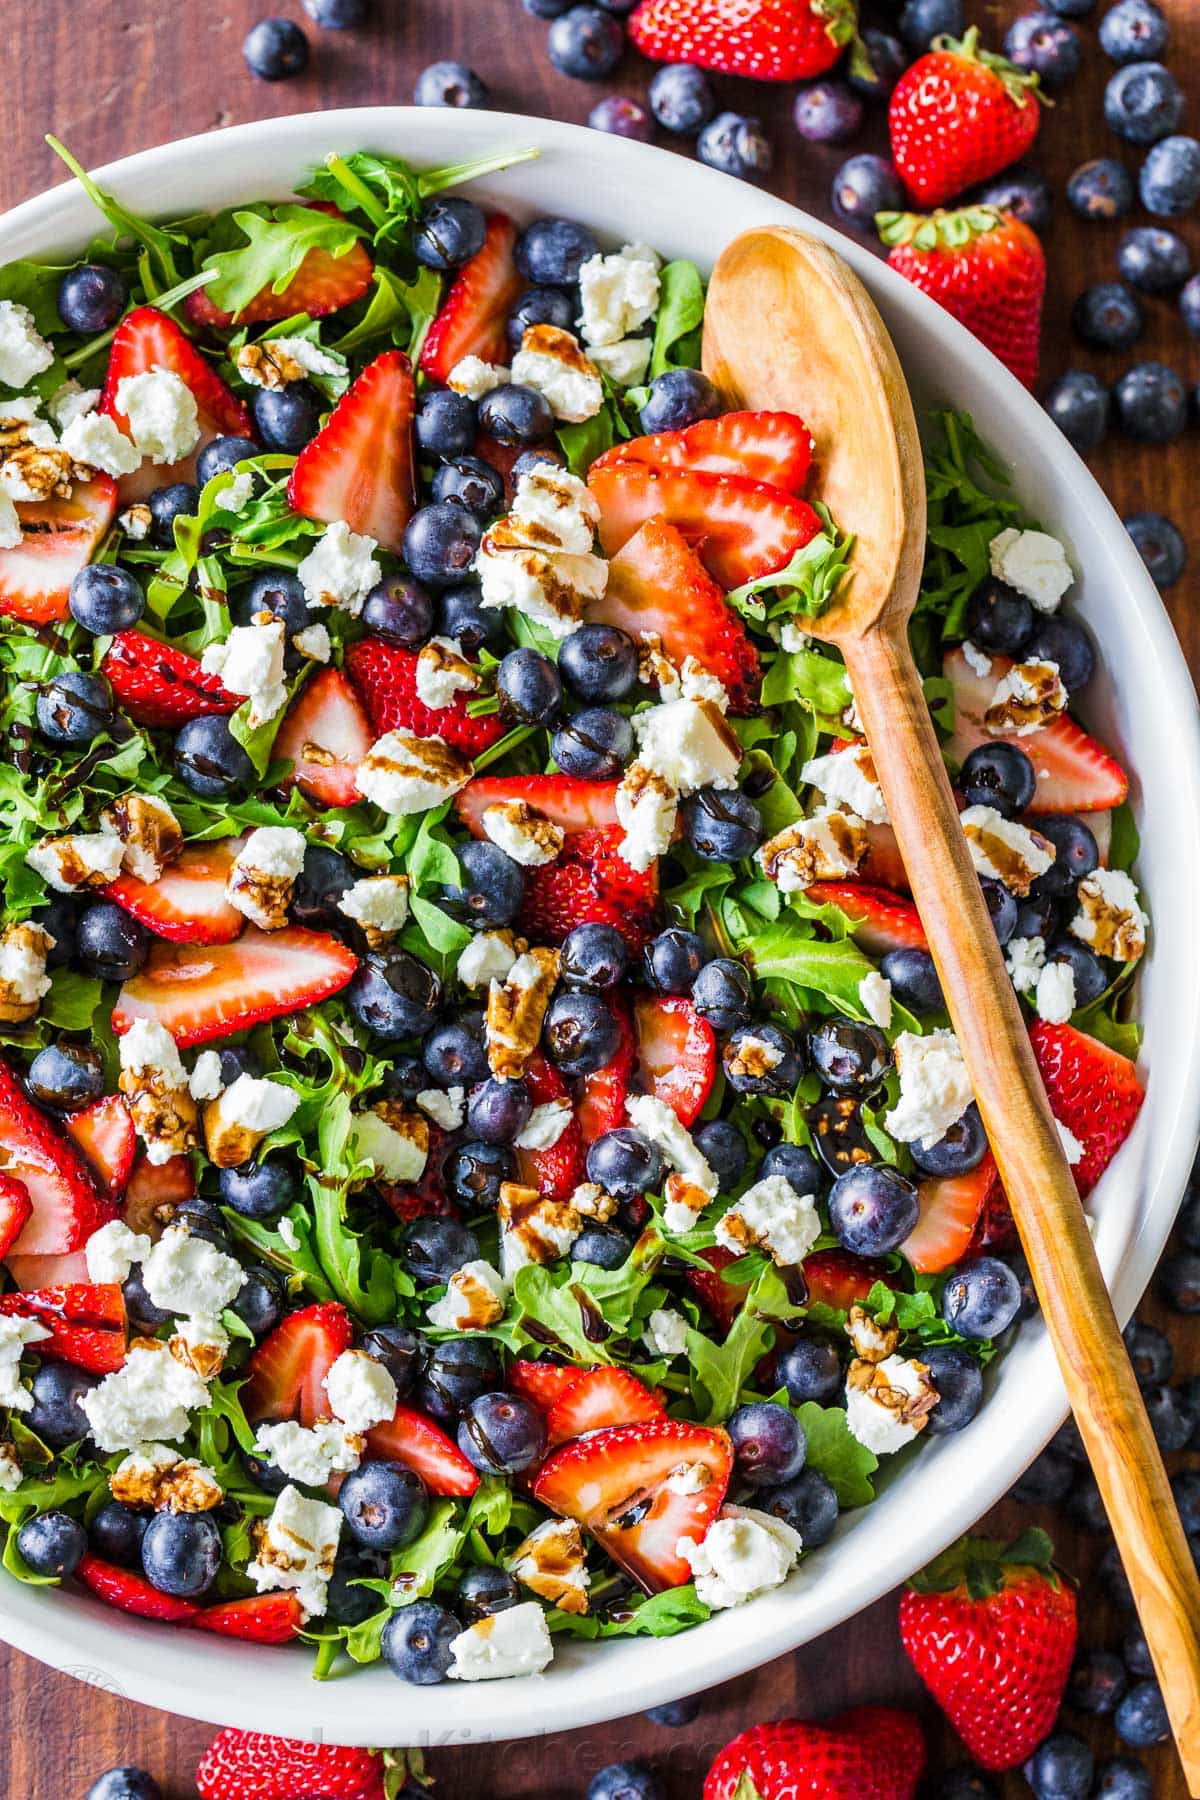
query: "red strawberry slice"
883, 864
657, 583
616, 1484
564, 799
323, 284
99, 1304
836, 1278
58, 539
104, 1132
325, 736
995, 1229
386, 677
131, 1593
772, 447
16, 1209
155, 1190
598, 1399
287, 1370
1093, 1091
262, 1619
951, 1206
66, 1206
99, 1352
1075, 773
202, 992
602, 1095
590, 881
677, 1053
882, 921
544, 1383
187, 903
555, 1172
410, 1438
30, 1272
360, 466
743, 528
723, 1299
474, 314
157, 684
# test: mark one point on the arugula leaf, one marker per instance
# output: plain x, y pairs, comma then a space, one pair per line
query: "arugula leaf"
662, 1615
582, 444
719, 1372
808, 584
35, 285
551, 1301
680, 316
276, 245
159, 243
833, 970
835, 1453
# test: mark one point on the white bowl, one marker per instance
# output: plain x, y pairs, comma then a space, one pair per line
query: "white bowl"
1144, 705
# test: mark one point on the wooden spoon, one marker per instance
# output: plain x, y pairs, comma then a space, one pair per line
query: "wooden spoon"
789, 325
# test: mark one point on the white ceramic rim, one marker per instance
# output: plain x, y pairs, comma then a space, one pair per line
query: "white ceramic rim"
685, 209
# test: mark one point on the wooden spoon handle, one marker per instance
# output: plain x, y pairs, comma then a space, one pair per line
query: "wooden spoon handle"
1100, 1383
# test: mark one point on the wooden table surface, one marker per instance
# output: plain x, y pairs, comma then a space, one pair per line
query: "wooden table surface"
113, 76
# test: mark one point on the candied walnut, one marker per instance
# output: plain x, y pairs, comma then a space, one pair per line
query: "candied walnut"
552, 1564
268, 365
543, 1228
165, 1118
1029, 696
872, 1342
910, 1409
825, 847
516, 1008
178, 1487
28, 943
203, 1359
149, 833
754, 1058
593, 1202
263, 898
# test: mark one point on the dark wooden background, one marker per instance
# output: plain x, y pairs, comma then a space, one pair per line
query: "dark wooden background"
112, 76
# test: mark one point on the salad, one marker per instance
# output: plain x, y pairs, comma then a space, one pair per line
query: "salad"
483, 1156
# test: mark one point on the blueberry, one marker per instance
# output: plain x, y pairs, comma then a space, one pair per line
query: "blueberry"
1044, 46
529, 687
178, 500
864, 186
998, 618
138, 1304
1154, 259
259, 1190
541, 306
586, 43
673, 960
222, 456
594, 744
1025, 194
679, 398
209, 760
275, 49
676, 1714
1185, 1486
872, 1209
624, 1163
66, 1076
625, 1781
1002, 908
513, 414
1160, 544
1108, 315
959, 1383
385, 1505
769, 1445
1143, 102
681, 99
623, 116
914, 980
477, 1171
74, 708
1039, 916
722, 824
1134, 31
752, 1069
1171, 1417
1047, 1479
723, 994
1086, 1504
798, 1166
467, 481
347, 1601
181, 1553
324, 877
723, 1148
808, 1504
457, 1373
60, 918
1169, 183
56, 1415
491, 889
850, 1058
1072, 9
1090, 975
449, 84
440, 543
603, 1246
416, 1643
486, 1590
258, 1303
961, 1149
287, 418
398, 1348
549, 252
337, 15
125, 1783
279, 593
459, 614
827, 112
394, 996
1061, 1768
923, 20
454, 1054
450, 232
1121, 1778
580, 1033
1151, 404
1113, 1580
399, 610
1141, 1718
432, 1249
105, 599
593, 957
1100, 189
112, 945
92, 298
498, 1110
737, 144
1096, 1682
52, 1543
1078, 402
116, 1534
810, 1369
1076, 854
1189, 305
599, 662
880, 65
982, 1299
502, 1434
998, 775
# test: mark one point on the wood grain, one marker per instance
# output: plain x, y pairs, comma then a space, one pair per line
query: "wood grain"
111, 76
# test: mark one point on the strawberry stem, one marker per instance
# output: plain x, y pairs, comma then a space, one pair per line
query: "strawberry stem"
984, 1565
840, 18
1019, 84
940, 230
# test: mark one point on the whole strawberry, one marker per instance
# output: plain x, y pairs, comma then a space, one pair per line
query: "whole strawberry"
872, 1753
250, 1765
990, 1629
982, 265
958, 115
769, 40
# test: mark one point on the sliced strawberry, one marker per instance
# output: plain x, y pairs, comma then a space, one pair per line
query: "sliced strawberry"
995, 1229
187, 903
323, 284
325, 736
772, 447
555, 1172
131, 1593
96, 1303
66, 1206
155, 1190
616, 1484
287, 1370
601, 1398
544, 1383
950, 1209
157, 684
99, 1352
262, 1619
883, 864
743, 529
58, 538
503, 457
882, 920
590, 882
16, 1209
657, 583
564, 799
202, 992
412, 1439
677, 1053
360, 466
386, 677
104, 1132
837, 1278
723, 1299
474, 314
31, 1272
1093, 1091
602, 1095
1075, 773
